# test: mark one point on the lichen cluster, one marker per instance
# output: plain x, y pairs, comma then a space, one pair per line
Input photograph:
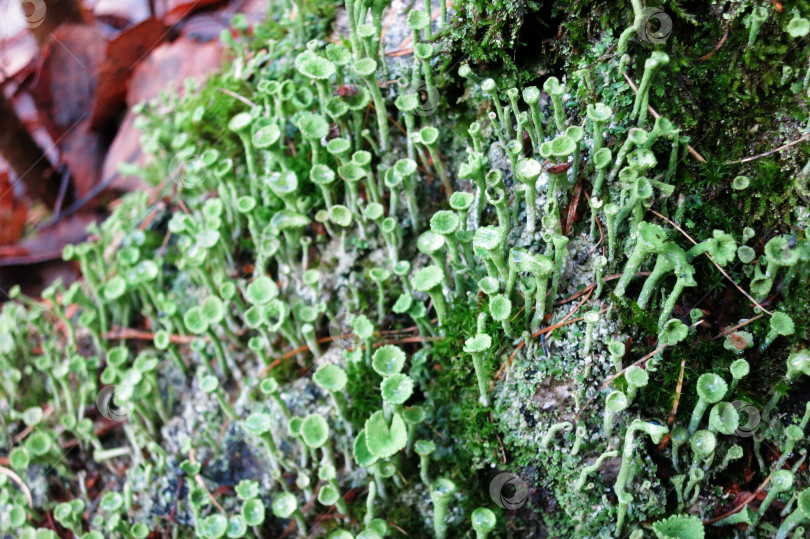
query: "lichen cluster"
345, 307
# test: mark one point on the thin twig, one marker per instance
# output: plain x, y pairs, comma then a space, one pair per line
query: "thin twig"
678, 390
400, 530
549, 329
575, 296
769, 152
593, 285
117, 333
391, 11
636, 364
16, 478
601, 232
563, 321
610, 380
29, 429
233, 94
717, 48
577, 307
400, 52
572, 208
655, 114
745, 502
305, 349
738, 326
201, 484
675, 401
534, 335
727, 276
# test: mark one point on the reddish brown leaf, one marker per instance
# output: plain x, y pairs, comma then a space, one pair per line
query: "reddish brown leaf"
49, 244
749, 475
123, 55
168, 65
67, 80
738, 341
12, 212
64, 96
44, 18
179, 9
83, 152
572, 209
126, 148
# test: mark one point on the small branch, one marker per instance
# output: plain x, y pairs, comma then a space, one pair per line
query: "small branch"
201, 484
636, 364
769, 152
127, 333
593, 285
727, 276
243, 99
738, 326
745, 502
610, 380
534, 335
305, 349
717, 48
675, 401
28, 430
572, 208
558, 325
16, 478
655, 115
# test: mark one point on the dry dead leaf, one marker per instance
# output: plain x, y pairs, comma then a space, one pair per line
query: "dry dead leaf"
123, 54
68, 77
12, 211
175, 10
168, 65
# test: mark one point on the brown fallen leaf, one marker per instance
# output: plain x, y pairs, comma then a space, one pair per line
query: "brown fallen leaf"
167, 66
43, 18
64, 95
172, 63
175, 10
49, 244
208, 25
83, 152
25, 156
123, 53
12, 212
68, 77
